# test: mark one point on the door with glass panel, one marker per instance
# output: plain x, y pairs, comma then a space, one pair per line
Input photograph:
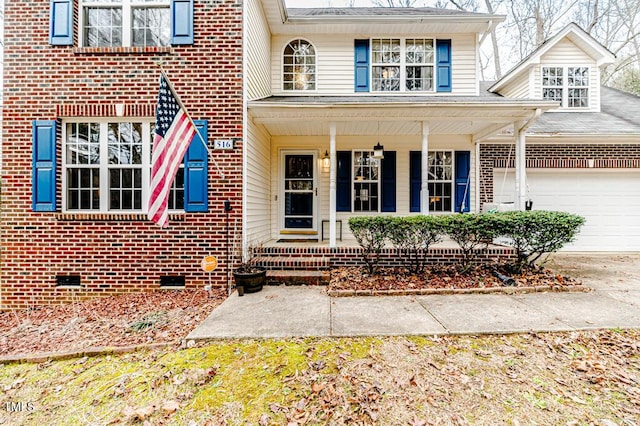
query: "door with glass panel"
299, 193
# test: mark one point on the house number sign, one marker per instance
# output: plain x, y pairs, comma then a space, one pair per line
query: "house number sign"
223, 144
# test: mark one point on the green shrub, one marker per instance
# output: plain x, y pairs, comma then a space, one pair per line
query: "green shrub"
411, 237
371, 234
471, 232
536, 232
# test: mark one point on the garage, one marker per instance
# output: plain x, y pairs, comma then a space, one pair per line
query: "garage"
608, 199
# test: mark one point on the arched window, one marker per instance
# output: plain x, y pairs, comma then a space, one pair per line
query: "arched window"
299, 71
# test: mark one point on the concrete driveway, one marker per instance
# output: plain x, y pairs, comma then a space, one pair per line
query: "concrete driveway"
281, 311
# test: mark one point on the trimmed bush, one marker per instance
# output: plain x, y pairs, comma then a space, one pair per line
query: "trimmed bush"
537, 232
471, 232
412, 236
371, 233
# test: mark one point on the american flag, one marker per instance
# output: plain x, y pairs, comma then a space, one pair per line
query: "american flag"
174, 132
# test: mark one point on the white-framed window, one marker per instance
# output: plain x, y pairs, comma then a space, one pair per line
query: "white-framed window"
366, 182
299, 66
441, 181
567, 85
112, 23
402, 65
107, 166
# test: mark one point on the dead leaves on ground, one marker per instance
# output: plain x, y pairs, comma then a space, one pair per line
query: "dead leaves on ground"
441, 277
122, 320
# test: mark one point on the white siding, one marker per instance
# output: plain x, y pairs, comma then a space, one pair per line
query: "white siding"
401, 144
335, 63
258, 61
518, 88
258, 184
463, 64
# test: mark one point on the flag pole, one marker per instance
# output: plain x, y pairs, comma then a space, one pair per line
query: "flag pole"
177, 98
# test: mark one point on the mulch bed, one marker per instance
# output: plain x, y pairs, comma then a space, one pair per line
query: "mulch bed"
123, 320
399, 280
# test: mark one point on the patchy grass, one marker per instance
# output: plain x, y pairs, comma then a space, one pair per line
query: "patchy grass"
564, 378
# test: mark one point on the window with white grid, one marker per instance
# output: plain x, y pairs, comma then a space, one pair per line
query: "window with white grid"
107, 166
111, 23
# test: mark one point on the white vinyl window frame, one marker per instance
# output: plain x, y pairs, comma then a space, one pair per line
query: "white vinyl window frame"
104, 167
297, 74
441, 181
559, 83
366, 175
127, 7
390, 61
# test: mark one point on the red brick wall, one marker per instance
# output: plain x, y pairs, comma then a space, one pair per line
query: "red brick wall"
493, 156
113, 253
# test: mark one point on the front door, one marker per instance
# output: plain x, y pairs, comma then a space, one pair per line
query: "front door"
300, 190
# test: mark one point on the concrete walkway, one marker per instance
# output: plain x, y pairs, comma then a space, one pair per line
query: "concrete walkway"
309, 311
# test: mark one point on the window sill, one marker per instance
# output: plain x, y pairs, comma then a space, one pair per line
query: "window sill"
121, 50
113, 217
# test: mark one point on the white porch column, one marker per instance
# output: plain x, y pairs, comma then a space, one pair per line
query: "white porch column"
333, 173
424, 193
521, 166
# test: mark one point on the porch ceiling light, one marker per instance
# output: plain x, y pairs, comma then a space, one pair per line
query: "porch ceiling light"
378, 151
325, 159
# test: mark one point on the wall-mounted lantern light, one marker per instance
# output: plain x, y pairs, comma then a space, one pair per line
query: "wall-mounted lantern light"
325, 160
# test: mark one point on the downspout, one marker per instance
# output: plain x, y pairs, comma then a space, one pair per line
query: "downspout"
245, 114
536, 114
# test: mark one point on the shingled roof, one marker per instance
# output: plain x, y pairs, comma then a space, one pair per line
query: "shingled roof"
620, 115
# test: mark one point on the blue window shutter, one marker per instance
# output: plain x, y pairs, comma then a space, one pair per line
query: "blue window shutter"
389, 182
196, 167
343, 181
44, 166
443, 64
361, 76
463, 189
61, 23
415, 180
181, 22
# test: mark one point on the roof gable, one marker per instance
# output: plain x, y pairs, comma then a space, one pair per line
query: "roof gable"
572, 32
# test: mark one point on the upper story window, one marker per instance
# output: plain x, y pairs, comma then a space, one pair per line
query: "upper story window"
567, 85
107, 166
299, 66
112, 23
402, 65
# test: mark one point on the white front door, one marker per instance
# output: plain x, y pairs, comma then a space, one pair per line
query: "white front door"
299, 188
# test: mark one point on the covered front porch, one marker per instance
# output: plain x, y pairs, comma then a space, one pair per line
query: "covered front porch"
310, 162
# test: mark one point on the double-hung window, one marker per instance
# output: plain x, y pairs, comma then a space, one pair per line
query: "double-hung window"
112, 23
366, 183
107, 166
402, 65
567, 85
440, 181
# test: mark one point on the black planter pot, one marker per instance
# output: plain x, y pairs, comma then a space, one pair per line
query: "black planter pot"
251, 281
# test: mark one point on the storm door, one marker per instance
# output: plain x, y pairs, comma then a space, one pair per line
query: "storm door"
300, 193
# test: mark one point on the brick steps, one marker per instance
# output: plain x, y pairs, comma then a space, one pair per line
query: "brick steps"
295, 270
308, 263
290, 277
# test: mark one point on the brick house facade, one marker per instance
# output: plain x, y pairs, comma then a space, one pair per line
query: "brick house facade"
113, 252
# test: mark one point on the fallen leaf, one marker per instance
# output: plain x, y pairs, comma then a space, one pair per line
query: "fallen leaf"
170, 407
316, 387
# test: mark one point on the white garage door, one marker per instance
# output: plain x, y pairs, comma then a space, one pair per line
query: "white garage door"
609, 201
